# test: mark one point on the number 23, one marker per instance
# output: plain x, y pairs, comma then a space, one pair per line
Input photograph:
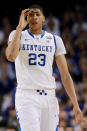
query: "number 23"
33, 58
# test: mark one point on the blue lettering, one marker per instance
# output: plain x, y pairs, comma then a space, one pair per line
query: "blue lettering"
31, 47
39, 47
43, 48
27, 47
50, 48
23, 47
35, 47
47, 48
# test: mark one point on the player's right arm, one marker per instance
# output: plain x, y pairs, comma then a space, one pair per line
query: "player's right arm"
12, 50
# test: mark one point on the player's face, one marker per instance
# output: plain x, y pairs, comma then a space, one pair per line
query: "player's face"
36, 19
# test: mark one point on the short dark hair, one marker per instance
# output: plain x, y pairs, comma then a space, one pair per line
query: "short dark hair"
37, 7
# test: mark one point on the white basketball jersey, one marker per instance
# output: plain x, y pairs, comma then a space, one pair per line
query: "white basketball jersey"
34, 63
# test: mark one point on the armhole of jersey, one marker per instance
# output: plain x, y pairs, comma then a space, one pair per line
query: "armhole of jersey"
55, 42
57, 128
20, 45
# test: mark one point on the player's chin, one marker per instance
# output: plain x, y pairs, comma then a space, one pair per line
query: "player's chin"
35, 28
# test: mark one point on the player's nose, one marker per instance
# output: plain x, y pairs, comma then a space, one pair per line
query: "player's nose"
35, 16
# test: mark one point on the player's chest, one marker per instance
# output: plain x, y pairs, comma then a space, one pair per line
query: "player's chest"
37, 51
37, 45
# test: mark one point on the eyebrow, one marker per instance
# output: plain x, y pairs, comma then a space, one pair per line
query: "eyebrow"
34, 12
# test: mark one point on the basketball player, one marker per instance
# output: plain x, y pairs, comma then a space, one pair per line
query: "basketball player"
33, 51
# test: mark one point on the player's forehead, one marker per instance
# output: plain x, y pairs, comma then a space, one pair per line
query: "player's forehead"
35, 10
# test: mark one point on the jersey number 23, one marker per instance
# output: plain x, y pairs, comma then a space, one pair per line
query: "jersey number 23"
33, 59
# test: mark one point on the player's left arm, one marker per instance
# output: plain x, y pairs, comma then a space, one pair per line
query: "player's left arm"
68, 85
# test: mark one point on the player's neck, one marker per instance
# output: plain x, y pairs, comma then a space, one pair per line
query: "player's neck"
36, 32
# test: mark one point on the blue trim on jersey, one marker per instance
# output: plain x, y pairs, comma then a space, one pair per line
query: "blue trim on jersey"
43, 34
30, 33
18, 120
57, 128
33, 35
55, 42
19, 124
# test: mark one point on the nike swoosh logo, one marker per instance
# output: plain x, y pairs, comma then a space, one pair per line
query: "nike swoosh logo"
27, 39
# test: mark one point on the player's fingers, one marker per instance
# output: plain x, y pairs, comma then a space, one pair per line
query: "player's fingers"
26, 14
26, 10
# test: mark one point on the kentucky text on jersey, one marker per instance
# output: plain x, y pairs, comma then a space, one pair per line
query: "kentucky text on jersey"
36, 47
35, 59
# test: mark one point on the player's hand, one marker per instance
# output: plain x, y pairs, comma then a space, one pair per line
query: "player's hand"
23, 22
78, 114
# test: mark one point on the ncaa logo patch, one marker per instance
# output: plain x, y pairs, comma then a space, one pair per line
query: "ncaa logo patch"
48, 37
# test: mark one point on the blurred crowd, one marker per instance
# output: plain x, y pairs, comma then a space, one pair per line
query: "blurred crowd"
72, 27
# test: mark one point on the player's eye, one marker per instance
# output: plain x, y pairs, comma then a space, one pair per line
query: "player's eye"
32, 15
38, 14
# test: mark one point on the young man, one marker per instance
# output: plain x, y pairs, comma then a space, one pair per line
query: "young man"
33, 51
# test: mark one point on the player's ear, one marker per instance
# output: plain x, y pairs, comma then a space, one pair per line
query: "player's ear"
43, 18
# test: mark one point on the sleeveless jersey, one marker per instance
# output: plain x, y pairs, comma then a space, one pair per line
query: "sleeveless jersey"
34, 63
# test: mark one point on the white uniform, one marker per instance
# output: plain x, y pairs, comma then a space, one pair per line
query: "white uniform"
36, 103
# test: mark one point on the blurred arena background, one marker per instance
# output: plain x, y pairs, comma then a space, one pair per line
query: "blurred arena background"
68, 20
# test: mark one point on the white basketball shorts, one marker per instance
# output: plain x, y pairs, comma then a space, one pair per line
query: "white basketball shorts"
37, 110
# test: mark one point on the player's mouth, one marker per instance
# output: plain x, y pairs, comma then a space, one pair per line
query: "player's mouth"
34, 23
